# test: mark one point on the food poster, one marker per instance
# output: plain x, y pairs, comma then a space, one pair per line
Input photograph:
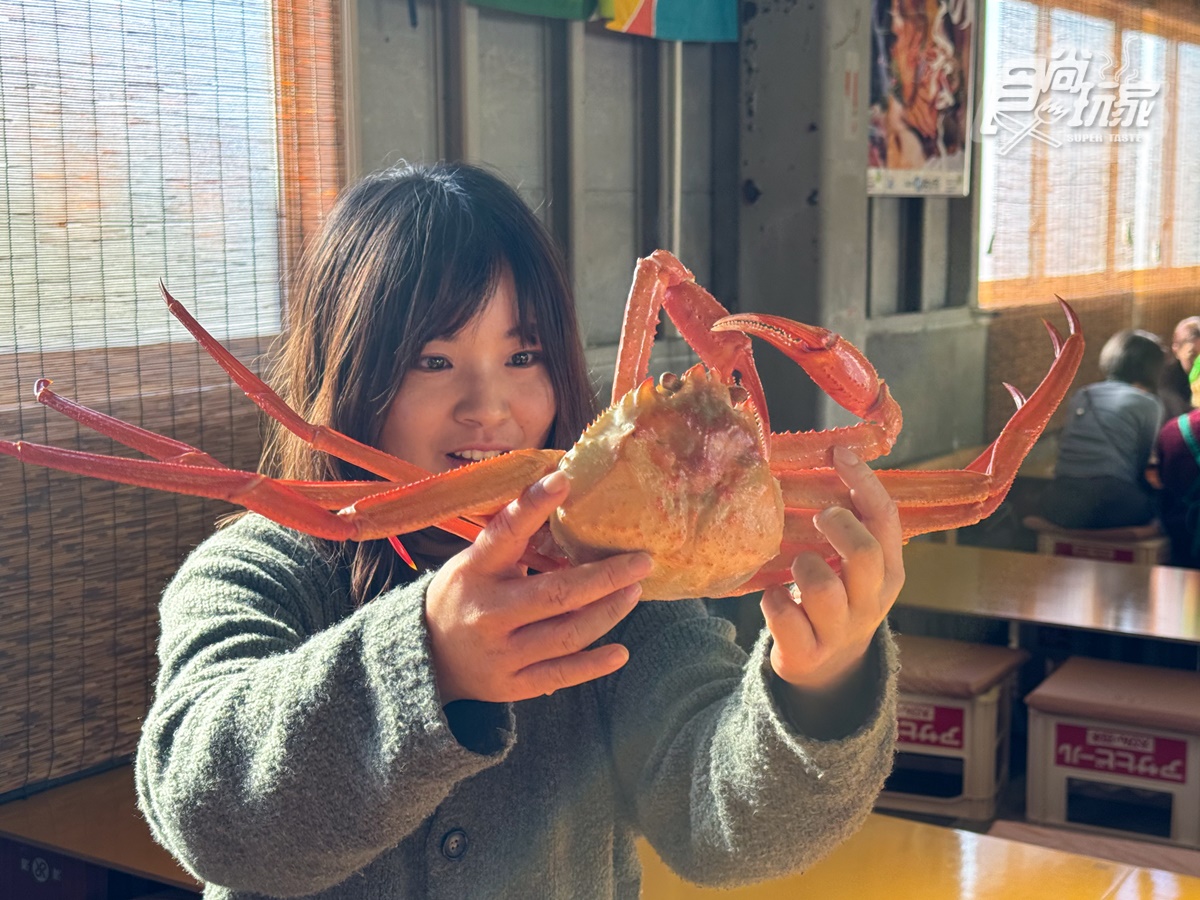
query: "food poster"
921, 83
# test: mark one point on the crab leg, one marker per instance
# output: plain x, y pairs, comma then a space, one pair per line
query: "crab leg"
318, 436
161, 448
306, 506
931, 500
325, 495
661, 281
1001, 461
376, 509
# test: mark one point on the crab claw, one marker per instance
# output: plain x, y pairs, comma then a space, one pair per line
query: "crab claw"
662, 282
694, 310
837, 366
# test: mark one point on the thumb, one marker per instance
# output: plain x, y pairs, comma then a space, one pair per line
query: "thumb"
502, 542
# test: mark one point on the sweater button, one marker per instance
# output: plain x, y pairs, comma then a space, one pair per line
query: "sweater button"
454, 844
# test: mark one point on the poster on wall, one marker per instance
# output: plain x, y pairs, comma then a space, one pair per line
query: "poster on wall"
921, 83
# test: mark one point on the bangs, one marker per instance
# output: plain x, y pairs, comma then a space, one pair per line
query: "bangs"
465, 253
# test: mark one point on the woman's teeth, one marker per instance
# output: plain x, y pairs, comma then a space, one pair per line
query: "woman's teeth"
475, 455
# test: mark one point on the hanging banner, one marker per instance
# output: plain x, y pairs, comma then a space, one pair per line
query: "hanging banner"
674, 20
921, 86
556, 9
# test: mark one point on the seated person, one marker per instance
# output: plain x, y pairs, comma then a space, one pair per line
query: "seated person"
1106, 443
1174, 390
1185, 344
1179, 501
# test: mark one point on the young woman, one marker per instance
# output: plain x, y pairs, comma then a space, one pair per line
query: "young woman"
329, 722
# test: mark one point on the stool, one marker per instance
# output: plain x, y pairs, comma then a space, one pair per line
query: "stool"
954, 719
1115, 747
1140, 543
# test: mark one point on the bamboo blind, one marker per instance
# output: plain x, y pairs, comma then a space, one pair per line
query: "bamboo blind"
195, 142
1107, 209
1110, 224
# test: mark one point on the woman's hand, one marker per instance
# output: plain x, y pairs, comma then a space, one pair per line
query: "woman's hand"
500, 634
821, 640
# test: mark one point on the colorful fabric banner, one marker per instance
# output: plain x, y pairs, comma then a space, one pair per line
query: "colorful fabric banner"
674, 20
557, 9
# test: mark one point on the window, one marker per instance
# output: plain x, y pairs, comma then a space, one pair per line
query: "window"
1093, 187
196, 142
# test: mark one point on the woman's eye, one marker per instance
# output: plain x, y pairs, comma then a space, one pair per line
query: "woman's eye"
433, 363
524, 358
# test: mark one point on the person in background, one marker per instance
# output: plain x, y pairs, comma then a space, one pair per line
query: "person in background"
1174, 390
1107, 442
1185, 344
1178, 452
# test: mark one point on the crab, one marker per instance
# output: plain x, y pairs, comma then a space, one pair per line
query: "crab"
684, 467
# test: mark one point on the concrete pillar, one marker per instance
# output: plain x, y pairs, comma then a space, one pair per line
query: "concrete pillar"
803, 241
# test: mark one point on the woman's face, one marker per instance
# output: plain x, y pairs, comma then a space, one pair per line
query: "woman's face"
474, 394
1185, 345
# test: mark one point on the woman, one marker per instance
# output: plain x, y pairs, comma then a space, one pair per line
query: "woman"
328, 722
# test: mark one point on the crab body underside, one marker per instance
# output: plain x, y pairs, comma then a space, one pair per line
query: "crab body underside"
685, 468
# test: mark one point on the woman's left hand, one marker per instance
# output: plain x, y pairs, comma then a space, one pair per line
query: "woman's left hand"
821, 640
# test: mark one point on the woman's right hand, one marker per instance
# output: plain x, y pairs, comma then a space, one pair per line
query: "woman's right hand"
500, 634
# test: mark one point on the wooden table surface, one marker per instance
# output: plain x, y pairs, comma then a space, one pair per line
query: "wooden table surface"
898, 859
1158, 602
94, 819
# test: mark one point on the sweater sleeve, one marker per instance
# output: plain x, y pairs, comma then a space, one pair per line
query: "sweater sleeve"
289, 742
716, 777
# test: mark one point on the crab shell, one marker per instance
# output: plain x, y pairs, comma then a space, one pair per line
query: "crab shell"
676, 470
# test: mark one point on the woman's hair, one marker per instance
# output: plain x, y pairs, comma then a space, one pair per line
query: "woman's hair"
406, 256
1133, 356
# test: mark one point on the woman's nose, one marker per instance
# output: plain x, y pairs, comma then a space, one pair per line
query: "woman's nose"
484, 401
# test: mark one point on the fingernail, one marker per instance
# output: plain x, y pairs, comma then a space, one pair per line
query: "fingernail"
642, 562
633, 593
825, 516
556, 482
844, 456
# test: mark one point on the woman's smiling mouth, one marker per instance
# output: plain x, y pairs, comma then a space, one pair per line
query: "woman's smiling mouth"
470, 456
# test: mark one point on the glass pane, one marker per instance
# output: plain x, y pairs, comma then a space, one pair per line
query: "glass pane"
1006, 190
1137, 243
1077, 196
1187, 157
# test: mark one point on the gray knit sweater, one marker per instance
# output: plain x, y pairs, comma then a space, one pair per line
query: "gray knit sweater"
297, 746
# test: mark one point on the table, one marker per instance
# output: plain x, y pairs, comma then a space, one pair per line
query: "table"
894, 858
94, 819
1158, 602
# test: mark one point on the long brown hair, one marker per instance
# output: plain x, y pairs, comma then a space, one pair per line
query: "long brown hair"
409, 255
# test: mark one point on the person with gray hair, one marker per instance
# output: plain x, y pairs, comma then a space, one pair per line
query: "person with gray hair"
1185, 344
1106, 444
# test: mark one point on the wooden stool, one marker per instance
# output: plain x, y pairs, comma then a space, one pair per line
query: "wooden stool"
954, 718
1141, 543
1115, 747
